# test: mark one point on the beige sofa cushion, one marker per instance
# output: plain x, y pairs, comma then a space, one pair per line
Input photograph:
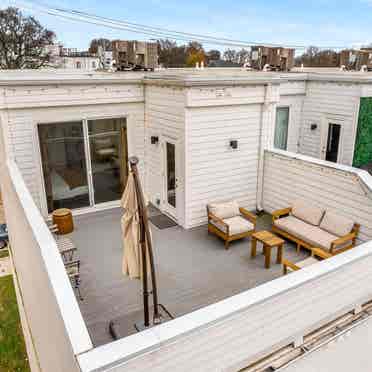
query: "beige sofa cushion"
224, 210
336, 224
307, 212
312, 235
237, 225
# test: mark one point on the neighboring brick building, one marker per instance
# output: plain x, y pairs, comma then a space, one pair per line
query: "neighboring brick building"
135, 54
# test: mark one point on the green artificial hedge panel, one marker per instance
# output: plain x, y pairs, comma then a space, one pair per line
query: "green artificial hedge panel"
363, 144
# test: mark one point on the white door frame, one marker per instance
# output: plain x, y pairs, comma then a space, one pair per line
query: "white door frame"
324, 135
166, 207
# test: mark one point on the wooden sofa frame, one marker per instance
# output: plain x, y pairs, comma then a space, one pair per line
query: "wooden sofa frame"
315, 252
337, 246
212, 229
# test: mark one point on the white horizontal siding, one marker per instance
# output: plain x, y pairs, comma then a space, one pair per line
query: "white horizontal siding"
329, 100
61, 95
287, 179
22, 134
293, 87
165, 117
215, 172
219, 96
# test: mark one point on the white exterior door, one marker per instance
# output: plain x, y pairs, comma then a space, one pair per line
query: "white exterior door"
170, 176
331, 140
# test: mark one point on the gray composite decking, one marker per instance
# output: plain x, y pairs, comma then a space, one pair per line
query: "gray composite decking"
193, 270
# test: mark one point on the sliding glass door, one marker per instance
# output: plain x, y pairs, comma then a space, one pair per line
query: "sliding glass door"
64, 165
109, 158
84, 163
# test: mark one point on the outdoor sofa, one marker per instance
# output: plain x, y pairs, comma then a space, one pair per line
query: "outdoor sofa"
313, 227
230, 222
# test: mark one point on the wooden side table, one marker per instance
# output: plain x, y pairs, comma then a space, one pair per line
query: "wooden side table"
269, 241
63, 219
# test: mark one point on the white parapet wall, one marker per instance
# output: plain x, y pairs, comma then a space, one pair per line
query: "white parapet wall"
54, 329
348, 191
233, 333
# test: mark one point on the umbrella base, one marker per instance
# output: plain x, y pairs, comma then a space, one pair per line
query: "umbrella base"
119, 327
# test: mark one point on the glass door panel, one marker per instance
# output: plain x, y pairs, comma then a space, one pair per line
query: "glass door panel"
171, 174
281, 128
64, 165
109, 158
333, 142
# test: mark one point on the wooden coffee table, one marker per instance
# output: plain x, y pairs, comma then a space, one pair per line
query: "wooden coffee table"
269, 241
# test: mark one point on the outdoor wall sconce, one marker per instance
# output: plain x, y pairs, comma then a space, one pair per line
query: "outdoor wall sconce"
234, 144
313, 126
154, 140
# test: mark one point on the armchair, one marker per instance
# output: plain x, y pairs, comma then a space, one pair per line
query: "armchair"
230, 222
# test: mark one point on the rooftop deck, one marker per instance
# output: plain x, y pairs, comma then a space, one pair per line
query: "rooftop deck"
193, 270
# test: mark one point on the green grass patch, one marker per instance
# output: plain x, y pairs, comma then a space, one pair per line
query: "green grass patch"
13, 356
4, 253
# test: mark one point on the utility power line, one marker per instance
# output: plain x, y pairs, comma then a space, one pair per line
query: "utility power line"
155, 32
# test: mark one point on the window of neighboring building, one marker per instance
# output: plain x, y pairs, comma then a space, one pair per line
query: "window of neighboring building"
94, 64
78, 64
281, 128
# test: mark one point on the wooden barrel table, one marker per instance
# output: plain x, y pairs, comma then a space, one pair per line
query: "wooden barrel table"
63, 219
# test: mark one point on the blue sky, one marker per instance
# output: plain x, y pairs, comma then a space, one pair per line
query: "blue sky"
319, 22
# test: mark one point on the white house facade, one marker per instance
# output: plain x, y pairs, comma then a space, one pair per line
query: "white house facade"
199, 136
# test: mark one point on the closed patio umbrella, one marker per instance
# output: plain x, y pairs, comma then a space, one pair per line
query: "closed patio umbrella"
130, 231
138, 259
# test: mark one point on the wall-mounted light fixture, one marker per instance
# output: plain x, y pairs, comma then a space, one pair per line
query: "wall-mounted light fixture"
154, 140
234, 144
313, 126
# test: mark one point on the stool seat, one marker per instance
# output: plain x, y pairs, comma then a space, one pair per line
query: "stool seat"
62, 218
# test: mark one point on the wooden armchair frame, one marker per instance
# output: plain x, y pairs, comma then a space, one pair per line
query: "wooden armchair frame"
337, 246
212, 229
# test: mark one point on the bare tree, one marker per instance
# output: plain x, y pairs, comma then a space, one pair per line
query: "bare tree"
23, 41
213, 55
229, 55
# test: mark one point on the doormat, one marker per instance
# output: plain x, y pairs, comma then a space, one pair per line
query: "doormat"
162, 221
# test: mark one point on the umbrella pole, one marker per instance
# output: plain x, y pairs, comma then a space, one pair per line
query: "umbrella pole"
145, 237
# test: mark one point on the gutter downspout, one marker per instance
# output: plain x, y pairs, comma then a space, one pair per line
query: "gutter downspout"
261, 147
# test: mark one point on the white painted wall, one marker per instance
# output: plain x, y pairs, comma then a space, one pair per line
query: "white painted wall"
214, 171
54, 328
330, 102
295, 104
345, 190
27, 107
165, 118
